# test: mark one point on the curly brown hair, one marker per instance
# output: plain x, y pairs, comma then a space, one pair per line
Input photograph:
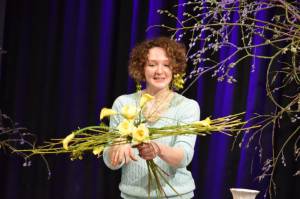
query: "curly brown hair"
175, 51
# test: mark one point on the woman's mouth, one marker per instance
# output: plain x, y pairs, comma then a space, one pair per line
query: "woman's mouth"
159, 78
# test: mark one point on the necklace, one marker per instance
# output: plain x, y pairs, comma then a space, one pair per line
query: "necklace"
155, 108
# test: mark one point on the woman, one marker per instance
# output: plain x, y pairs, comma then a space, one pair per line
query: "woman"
156, 62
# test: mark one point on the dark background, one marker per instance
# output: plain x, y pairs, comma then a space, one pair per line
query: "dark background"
66, 59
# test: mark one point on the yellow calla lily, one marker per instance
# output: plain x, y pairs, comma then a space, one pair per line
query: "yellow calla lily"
67, 140
140, 134
126, 127
97, 150
145, 98
203, 123
107, 112
129, 112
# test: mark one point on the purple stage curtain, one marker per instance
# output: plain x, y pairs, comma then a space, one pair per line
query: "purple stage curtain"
68, 58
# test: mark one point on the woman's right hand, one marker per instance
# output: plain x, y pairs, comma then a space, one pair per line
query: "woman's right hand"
121, 153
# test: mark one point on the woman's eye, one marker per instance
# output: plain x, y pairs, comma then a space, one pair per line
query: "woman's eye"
166, 65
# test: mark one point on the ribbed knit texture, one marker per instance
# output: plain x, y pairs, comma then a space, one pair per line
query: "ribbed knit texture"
134, 181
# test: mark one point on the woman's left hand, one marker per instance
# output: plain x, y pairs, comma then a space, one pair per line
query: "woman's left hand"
148, 151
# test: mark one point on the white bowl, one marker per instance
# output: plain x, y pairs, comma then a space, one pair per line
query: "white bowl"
243, 193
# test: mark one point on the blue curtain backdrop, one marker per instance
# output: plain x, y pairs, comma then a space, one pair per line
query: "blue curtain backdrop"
68, 58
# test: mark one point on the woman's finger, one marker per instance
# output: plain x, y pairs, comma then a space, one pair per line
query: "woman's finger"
115, 157
127, 156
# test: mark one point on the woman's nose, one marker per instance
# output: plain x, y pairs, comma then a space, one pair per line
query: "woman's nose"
159, 68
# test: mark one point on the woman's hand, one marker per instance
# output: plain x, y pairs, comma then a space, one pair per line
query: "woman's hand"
171, 155
148, 151
121, 153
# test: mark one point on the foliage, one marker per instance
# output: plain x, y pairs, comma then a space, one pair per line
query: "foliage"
133, 130
13, 137
267, 31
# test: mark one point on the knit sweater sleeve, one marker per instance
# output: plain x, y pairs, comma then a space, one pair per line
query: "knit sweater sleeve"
188, 113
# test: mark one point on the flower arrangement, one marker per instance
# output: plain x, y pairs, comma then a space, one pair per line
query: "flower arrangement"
133, 130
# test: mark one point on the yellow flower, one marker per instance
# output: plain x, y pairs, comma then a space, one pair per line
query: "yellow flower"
140, 134
67, 140
145, 98
76, 154
178, 81
126, 128
203, 123
97, 150
129, 112
106, 112
293, 49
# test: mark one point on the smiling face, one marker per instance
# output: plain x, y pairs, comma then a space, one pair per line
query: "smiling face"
158, 73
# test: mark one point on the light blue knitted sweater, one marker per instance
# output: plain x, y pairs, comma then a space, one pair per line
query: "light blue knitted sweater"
134, 181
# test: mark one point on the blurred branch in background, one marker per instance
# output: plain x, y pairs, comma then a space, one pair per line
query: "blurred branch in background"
268, 31
13, 137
